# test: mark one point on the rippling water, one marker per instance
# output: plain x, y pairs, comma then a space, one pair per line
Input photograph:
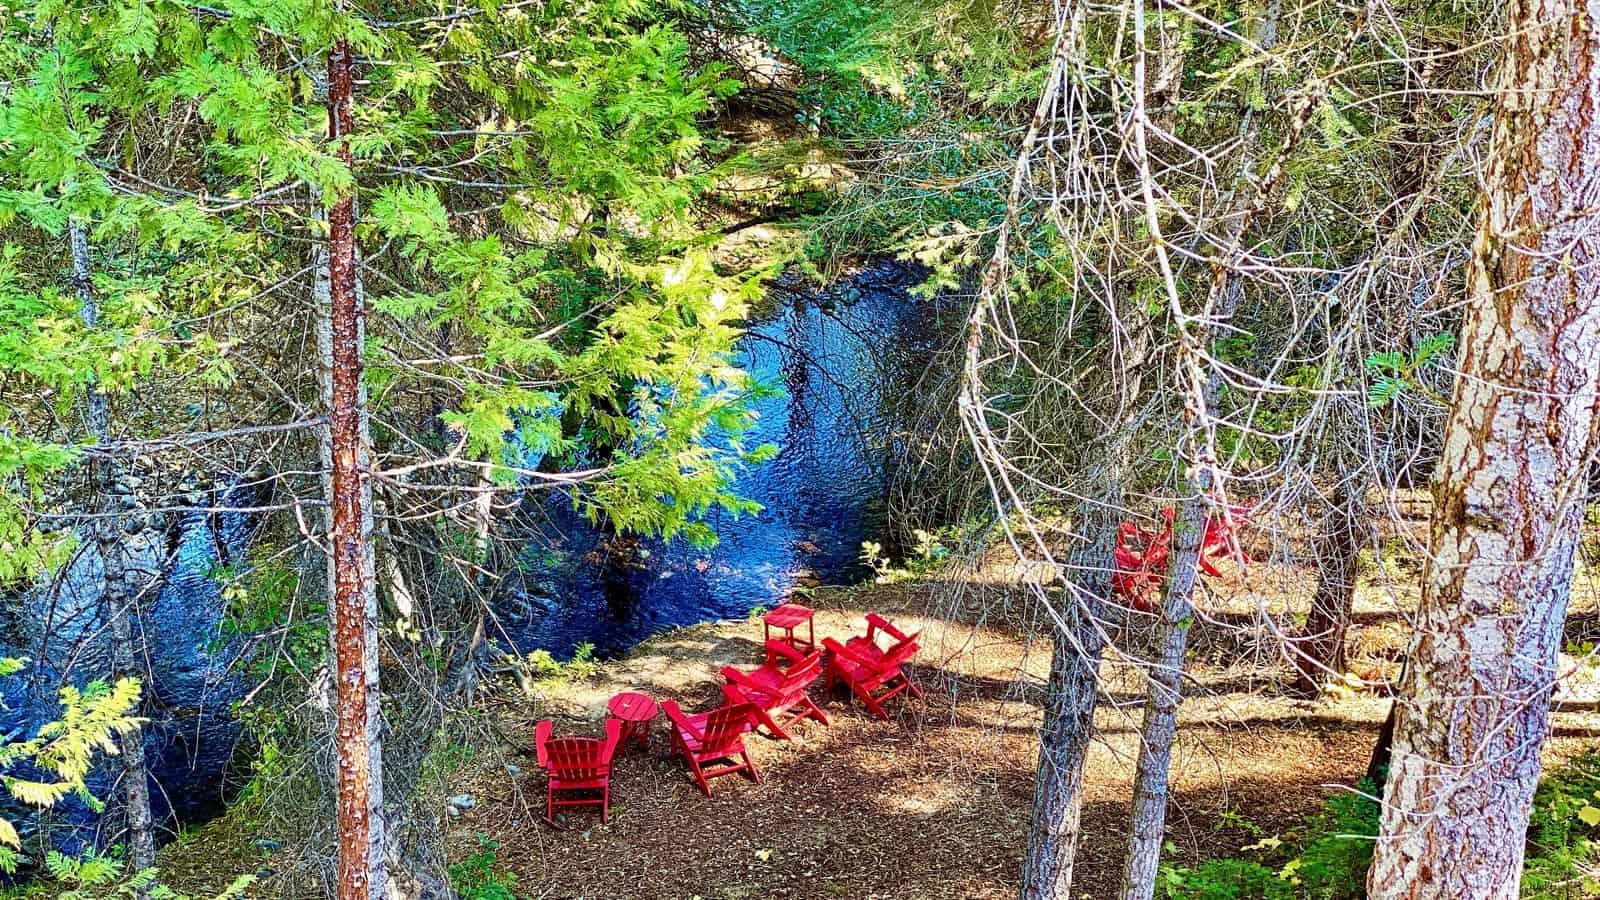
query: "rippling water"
843, 358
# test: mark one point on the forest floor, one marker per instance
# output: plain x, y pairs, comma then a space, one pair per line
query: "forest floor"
933, 803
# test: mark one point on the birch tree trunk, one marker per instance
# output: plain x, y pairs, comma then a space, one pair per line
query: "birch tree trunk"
1509, 492
1069, 706
358, 736
117, 511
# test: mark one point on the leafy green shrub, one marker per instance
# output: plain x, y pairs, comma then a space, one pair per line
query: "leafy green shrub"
540, 665
1225, 879
1562, 859
1327, 857
476, 878
90, 721
1338, 851
96, 877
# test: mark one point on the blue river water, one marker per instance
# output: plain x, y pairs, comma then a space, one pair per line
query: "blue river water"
843, 357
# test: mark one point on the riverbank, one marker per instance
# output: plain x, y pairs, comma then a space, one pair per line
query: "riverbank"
931, 804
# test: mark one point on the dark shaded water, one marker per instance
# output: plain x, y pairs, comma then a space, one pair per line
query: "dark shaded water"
189, 691
845, 359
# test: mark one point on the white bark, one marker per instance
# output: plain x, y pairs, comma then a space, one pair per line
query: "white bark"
1509, 494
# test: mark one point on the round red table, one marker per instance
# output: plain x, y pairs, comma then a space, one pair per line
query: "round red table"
635, 711
787, 618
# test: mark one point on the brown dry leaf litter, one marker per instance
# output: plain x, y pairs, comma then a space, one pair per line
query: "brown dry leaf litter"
933, 804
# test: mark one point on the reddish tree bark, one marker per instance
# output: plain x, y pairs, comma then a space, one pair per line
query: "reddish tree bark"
1509, 495
348, 500
1321, 654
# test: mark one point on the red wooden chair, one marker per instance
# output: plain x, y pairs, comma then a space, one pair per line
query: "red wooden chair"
872, 671
777, 689
579, 768
712, 743
1141, 556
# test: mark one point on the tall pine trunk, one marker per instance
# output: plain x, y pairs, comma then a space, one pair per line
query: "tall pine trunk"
111, 535
362, 849
1509, 493
1076, 646
1250, 198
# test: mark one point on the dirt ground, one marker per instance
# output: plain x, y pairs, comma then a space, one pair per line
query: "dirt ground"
931, 804
934, 803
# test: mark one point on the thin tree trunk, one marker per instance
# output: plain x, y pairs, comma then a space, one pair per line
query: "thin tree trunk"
321, 290
1164, 692
1509, 494
1250, 198
362, 849
1378, 762
110, 533
1337, 547
1069, 704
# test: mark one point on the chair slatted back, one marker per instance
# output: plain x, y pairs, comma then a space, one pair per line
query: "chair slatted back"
900, 652
726, 725
800, 675
577, 759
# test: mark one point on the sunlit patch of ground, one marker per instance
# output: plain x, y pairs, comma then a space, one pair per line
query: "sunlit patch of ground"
935, 803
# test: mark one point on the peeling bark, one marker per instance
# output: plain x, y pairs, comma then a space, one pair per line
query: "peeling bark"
110, 534
1509, 492
362, 851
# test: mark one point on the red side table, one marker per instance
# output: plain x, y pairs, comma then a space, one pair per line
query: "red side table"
635, 711
787, 618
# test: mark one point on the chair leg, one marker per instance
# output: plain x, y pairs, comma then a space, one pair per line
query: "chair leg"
778, 730
605, 805
750, 764
871, 702
550, 806
912, 687
813, 711
699, 776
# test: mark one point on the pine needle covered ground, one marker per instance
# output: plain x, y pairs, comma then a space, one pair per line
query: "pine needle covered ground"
933, 804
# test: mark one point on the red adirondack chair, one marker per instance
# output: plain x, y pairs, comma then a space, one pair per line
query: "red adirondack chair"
1141, 556
712, 743
777, 689
579, 769
872, 671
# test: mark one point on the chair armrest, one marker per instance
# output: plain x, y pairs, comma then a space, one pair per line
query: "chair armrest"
541, 734
777, 649
736, 677
613, 737
877, 622
733, 695
679, 720
839, 649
